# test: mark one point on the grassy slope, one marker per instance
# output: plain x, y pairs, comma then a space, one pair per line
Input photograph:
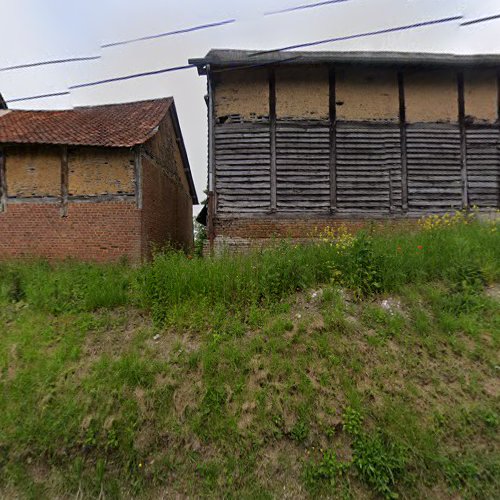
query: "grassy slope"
268, 379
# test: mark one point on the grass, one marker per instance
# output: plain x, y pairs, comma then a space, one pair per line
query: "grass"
360, 370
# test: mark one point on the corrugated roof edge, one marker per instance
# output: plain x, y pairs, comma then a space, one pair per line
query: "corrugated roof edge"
230, 57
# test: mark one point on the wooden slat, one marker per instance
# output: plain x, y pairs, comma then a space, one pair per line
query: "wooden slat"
368, 167
434, 166
302, 165
243, 167
483, 166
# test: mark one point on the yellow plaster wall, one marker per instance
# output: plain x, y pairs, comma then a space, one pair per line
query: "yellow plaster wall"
164, 148
481, 95
100, 171
33, 171
242, 92
367, 94
302, 92
431, 96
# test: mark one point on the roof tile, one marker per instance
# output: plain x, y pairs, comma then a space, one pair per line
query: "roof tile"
113, 125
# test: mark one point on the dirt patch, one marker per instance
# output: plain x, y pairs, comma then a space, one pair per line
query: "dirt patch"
115, 340
187, 395
279, 469
493, 291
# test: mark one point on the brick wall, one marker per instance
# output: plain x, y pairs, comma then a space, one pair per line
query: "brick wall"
103, 221
242, 233
91, 231
166, 210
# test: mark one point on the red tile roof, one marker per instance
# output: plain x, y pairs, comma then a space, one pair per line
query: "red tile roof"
114, 125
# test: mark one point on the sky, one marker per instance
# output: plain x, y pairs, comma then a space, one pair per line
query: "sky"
41, 30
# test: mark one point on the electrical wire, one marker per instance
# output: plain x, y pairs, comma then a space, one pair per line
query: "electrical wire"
41, 96
304, 7
46, 63
290, 47
170, 33
130, 77
360, 35
480, 20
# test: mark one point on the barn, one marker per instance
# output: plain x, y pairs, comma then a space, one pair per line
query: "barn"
304, 140
99, 183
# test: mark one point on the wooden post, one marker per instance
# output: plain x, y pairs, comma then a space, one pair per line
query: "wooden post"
402, 135
272, 132
463, 138
3, 183
333, 139
64, 181
498, 97
211, 162
138, 176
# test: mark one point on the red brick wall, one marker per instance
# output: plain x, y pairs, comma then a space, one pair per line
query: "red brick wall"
166, 210
292, 227
105, 231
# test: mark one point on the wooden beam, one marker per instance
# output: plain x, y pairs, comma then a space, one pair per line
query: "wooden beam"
463, 138
498, 97
333, 139
3, 182
64, 181
402, 136
138, 176
272, 132
212, 201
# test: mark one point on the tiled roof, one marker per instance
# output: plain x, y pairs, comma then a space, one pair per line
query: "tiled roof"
114, 125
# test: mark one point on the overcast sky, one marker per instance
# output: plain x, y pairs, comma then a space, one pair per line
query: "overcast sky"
37, 30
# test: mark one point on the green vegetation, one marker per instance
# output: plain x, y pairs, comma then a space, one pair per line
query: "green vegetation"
357, 367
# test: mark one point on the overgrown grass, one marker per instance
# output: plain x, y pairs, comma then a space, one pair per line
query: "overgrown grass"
369, 370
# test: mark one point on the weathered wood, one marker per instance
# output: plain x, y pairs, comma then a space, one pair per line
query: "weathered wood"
403, 143
463, 138
483, 167
3, 182
64, 181
272, 128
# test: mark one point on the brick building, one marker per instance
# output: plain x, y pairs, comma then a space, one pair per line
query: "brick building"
299, 140
94, 183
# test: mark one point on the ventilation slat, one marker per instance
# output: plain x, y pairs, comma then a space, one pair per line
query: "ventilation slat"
242, 165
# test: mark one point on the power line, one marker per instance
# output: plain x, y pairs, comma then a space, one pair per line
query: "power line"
303, 7
290, 47
480, 20
361, 35
46, 63
41, 96
130, 77
170, 33
217, 24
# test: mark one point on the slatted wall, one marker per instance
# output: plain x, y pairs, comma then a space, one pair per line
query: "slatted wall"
483, 166
368, 167
303, 166
434, 168
368, 172
242, 167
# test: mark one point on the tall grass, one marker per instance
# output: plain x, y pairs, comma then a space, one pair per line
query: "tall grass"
234, 284
65, 287
203, 292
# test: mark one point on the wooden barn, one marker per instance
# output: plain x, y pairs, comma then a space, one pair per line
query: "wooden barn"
300, 140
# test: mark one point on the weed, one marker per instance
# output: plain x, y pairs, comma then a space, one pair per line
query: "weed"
327, 471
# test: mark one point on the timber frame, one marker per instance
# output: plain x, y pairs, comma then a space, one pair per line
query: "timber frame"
272, 167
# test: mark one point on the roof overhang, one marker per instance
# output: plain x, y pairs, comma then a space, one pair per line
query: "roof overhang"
247, 58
